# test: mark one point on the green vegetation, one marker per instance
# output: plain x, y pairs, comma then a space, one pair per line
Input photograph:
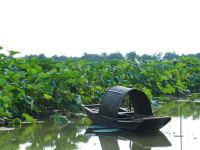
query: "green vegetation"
36, 85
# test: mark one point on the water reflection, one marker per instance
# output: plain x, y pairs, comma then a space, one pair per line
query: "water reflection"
172, 108
42, 136
182, 130
180, 134
137, 140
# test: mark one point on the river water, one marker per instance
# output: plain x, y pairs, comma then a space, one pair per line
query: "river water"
182, 133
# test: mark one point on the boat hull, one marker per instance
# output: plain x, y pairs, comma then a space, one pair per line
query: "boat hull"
143, 123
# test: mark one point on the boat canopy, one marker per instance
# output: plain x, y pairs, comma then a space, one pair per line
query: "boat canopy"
114, 96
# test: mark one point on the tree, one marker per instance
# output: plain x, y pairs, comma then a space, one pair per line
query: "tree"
170, 55
104, 56
116, 55
146, 57
131, 55
91, 57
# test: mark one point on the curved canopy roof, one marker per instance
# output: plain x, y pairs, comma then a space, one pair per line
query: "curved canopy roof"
114, 97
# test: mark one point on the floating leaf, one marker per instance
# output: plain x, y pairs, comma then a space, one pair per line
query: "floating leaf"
29, 118
61, 119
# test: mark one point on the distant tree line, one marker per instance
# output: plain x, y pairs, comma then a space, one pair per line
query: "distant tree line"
117, 55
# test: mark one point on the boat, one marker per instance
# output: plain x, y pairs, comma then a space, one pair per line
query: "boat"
113, 113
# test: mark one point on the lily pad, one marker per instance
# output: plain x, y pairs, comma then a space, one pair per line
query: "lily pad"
59, 119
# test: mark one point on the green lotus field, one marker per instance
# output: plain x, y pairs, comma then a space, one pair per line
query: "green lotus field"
31, 87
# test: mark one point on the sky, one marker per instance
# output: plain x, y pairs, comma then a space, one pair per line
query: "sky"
73, 27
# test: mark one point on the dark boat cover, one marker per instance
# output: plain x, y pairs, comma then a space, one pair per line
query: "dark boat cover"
114, 96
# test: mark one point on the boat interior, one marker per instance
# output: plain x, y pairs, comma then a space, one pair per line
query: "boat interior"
123, 114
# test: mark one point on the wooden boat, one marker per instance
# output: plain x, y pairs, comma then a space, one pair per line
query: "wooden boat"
110, 112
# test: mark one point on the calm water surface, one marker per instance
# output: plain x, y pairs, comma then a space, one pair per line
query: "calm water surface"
182, 133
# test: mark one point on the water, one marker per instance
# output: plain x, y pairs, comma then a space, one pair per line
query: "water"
182, 133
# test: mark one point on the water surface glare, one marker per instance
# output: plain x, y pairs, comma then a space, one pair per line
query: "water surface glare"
182, 133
